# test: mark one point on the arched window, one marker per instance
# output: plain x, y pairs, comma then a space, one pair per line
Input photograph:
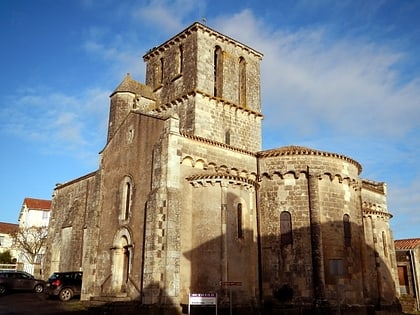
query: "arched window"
347, 230
239, 221
126, 196
242, 81
180, 61
218, 72
286, 237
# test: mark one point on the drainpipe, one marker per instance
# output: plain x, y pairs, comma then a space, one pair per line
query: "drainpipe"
414, 271
257, 214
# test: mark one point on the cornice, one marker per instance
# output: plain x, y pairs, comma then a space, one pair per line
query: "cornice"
216, 143
180, 99
299, 150
368, 211
219, 178
155, 51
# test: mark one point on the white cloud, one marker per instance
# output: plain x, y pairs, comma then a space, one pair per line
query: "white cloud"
170, 14
348, 85
58, 123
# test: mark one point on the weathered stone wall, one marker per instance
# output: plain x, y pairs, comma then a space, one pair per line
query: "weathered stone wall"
189, 90
317, 208
218, 179
120, 106
191, 215
126, 158
73, 209
378, 236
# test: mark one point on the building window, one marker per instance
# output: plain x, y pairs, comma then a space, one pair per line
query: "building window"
242, 81
126, 194
286, 237
239, 221
218, 72
45, 215
227, 137
347, 230
161, 71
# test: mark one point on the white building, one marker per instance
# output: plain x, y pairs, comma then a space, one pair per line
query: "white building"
34, 213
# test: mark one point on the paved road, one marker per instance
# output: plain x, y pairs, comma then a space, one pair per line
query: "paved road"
38, 304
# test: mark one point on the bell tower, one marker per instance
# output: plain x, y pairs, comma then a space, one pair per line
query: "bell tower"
212, 82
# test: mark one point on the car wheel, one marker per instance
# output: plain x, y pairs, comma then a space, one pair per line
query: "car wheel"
39, 288
65, 294
2, 289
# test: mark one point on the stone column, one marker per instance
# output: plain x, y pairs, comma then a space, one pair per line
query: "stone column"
224, 238
318, 274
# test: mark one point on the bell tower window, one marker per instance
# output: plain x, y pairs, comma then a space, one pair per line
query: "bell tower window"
218, 72
180, 62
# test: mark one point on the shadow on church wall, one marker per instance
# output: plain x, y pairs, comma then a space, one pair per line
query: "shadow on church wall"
362, 283
349, 276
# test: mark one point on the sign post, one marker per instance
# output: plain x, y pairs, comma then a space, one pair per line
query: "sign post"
230, 284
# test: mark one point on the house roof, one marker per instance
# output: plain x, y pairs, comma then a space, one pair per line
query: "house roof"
410, 243
8, 228
37, 204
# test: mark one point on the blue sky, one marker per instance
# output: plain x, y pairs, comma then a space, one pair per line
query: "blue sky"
340, 76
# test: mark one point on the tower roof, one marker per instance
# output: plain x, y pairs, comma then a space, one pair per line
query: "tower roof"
135, 87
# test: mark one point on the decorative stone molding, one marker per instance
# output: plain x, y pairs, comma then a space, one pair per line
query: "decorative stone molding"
222, 179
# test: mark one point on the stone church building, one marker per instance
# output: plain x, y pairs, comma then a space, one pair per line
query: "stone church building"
186, 201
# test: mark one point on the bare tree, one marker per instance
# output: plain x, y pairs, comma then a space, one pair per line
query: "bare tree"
30, 241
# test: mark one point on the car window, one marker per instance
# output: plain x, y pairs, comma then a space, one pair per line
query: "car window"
25, 276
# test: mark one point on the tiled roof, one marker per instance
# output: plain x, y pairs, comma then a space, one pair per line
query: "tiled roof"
37, 204
8, 228
410, 243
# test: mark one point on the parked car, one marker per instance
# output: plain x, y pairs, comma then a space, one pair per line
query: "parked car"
64, 285
13, 280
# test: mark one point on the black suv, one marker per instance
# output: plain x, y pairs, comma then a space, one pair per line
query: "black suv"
65, 285
19, 280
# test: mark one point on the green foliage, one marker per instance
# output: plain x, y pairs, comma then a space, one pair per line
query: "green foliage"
5, 257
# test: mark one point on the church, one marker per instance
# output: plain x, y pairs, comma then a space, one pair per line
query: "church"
185, 200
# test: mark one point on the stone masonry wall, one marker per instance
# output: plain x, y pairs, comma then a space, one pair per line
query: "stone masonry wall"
317, 211
72, 210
